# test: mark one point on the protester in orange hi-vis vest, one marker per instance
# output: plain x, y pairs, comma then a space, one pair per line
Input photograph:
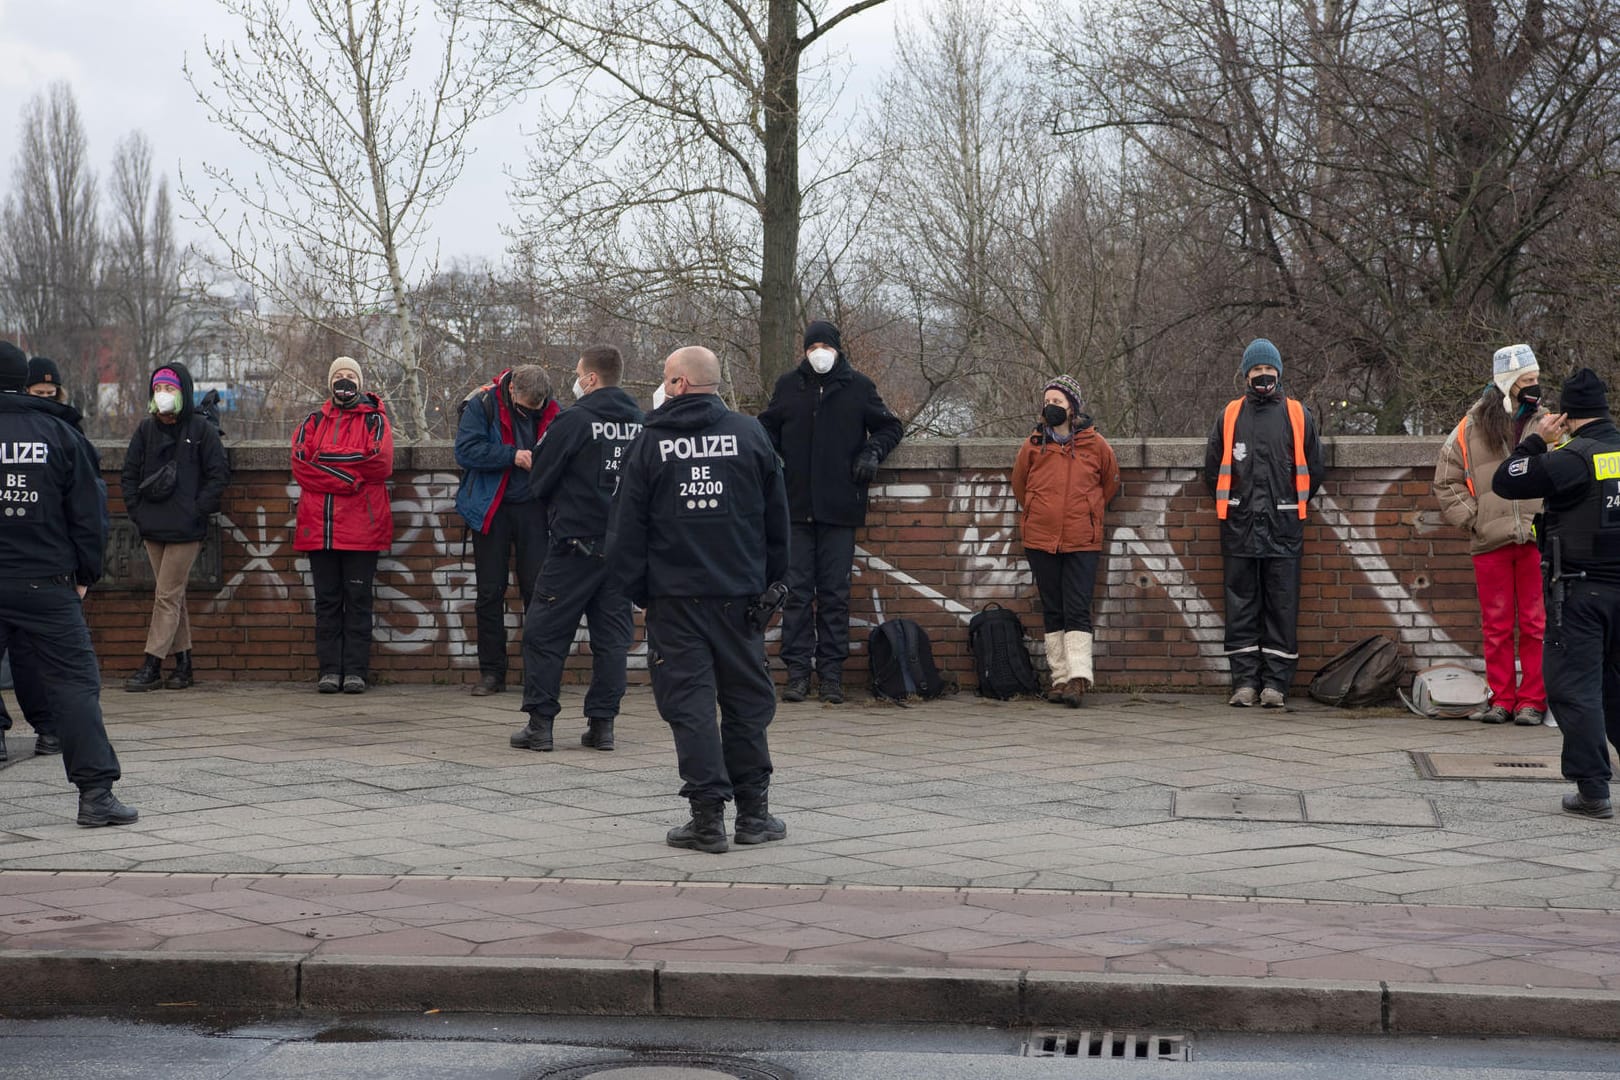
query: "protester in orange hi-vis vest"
1263, 462
1502, 536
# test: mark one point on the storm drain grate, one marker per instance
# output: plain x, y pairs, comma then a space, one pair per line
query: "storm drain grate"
1108, 1045
1488, 766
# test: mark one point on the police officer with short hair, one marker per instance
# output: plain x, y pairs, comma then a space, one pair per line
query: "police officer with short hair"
699, 532
1580, 542
50, 553
575, 472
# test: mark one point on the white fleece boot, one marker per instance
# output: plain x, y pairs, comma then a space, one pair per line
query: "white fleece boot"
1057, 658
1077, 647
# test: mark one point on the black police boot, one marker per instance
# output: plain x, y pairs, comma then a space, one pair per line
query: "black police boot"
755, 825
599, 734
705, 832
99, 806
797, 688
535, 736
181, 679
4, 754
149, 677
1581, 806
44, 746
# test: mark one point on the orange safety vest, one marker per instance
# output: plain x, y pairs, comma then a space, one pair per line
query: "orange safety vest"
1462, 445
1302, 470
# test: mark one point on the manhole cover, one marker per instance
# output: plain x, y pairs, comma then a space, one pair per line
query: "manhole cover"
1488, 766
1108, 1045
670, 1066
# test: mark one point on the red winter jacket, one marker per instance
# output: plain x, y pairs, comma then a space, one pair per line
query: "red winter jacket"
342, 459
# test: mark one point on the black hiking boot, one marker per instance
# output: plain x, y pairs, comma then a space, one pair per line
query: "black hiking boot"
705, 832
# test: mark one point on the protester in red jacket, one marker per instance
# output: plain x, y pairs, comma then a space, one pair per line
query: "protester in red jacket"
342, 457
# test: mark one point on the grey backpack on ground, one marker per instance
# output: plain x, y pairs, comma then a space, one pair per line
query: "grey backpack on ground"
1447, 692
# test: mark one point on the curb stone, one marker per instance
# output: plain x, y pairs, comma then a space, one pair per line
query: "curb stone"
66, 982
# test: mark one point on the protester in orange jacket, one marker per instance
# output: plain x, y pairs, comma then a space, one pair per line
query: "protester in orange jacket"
1065, 476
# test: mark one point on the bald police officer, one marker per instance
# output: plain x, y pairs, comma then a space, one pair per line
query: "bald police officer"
1580, 546
699, 531
50, 553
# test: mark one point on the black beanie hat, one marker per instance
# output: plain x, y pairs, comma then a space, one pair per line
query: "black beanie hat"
42, 369
821, 332
1584, 396
13, 369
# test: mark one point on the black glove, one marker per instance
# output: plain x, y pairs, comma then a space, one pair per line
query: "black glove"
866, 467
763, 608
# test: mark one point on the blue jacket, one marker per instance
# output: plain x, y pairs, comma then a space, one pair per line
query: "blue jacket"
486, 448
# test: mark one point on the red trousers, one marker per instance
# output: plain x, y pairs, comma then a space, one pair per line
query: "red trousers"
1510, 599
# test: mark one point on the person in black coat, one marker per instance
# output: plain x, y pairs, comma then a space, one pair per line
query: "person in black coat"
175, 473
832, 430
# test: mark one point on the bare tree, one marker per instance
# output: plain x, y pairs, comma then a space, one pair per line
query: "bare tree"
673, 163
360, 142
142, 278
50, 250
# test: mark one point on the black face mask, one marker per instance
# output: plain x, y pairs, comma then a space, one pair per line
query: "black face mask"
1530, 398
1054, 415
345, 391
1263, 384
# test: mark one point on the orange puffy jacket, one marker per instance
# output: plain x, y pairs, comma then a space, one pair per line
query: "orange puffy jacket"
1063, 489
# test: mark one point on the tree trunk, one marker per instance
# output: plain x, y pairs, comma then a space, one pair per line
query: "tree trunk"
778, 284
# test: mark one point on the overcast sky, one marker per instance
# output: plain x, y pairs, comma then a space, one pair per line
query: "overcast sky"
123, 59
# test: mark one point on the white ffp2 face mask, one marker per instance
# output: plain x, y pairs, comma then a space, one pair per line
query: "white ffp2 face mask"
579, 391
659, 396
166, 401
822, 360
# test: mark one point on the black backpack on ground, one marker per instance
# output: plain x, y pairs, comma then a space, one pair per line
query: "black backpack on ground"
1000, 657
1364, 674
902, 662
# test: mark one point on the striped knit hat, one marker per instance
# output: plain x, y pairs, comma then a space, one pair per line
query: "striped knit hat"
1071, 390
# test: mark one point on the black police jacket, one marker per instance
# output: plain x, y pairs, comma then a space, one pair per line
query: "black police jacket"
1263, 521
202, 472
50, 507
1580, 483
701, 509
821, 424
579, 461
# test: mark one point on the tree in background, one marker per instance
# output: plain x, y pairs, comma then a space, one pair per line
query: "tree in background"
360, 142
667, 166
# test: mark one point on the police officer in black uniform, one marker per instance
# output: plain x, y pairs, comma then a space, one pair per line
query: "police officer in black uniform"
576, 471
700, 530
50, 553
1580, 546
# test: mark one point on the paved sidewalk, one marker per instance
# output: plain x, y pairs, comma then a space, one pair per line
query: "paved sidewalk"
962, 836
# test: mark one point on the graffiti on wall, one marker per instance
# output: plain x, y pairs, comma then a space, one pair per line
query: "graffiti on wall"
420, 609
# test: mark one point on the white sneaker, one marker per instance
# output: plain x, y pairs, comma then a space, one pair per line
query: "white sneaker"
1243, 698
1272, 699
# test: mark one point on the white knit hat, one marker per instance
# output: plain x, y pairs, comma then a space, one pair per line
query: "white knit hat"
1507, 365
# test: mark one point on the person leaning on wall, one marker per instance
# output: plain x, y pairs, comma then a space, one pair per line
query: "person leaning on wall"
1502, 535
342, 457
1262, 463
1064, 478
175, 473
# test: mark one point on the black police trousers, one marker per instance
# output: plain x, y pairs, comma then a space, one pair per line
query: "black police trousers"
701, 651
571, 585
1262, 621
32, 699
47, 619
820, 561
344, 582
1581, 662
516, 525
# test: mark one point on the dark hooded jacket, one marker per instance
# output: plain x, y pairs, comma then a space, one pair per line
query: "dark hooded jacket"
821, 424
1263, 521
580, 459
701, 509
201, 475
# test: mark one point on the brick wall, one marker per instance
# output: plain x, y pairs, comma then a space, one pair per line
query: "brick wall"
941, 542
